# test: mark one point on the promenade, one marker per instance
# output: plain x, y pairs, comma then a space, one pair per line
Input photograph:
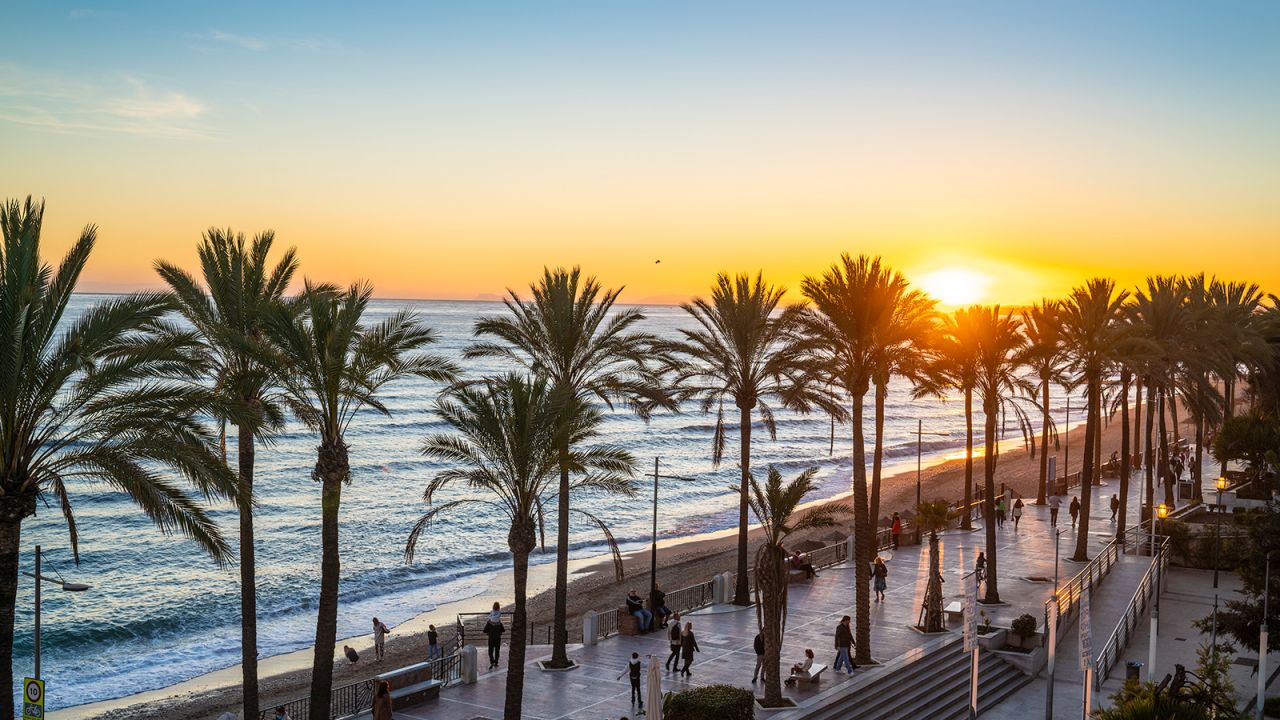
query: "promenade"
725, 632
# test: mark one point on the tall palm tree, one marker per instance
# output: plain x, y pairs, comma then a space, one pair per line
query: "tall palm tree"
1236, 306
106, 399
1091, 317
955, 357
570, 333
229, 315
933, 516
506, 437
1045, 356
1162, 320
999, 381
774, 505
850, 302
747, 351
334, 366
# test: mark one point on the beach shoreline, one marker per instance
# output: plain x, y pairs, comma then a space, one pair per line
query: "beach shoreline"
684, 561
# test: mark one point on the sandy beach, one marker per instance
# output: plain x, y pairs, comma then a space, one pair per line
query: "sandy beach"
683, 562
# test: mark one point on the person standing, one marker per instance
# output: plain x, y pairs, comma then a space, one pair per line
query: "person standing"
1115, 506
896, 529
1074, 510
382, 701
688, 646
433, 643
633, 670
1000, 511
379, 639
1055, 502
880, 577
493, 628
673, 636
844, 646
758, 646
1017, 512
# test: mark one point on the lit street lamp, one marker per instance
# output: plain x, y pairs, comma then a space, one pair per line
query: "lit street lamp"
40, 579
1221, 484
1162, 512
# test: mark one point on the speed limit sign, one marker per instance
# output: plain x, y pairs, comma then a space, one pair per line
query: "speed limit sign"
32, 699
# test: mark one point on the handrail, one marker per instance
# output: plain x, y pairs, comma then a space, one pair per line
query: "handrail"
1067, 595
1137, 607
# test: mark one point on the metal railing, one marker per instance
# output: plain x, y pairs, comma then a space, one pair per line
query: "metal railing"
1137, 607
344, 701
1068, 594
690, 598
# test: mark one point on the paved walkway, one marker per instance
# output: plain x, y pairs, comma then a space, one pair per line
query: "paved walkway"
725, 633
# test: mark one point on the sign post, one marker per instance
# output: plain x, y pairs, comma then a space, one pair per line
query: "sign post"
971, 639
1086, 653
32, 699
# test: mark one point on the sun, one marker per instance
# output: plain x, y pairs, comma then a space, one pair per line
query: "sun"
955, 286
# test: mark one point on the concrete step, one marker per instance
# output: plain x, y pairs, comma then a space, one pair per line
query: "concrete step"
878, 690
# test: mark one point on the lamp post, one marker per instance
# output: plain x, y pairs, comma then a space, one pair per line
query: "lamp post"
1162, 511
1221, 484
1262, 641
1066, 444
1052, 629
67, 586
919, 444
653, 547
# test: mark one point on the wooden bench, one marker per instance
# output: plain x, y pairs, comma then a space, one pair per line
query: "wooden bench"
411, 685
814, 677
954, 612
797, 575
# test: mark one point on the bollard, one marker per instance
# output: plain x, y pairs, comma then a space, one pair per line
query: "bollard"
590, 627
718, 589
470, 669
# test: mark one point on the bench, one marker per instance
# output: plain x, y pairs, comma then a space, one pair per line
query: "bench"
411, 685
796, 575
954, 612
814, 677
628, 624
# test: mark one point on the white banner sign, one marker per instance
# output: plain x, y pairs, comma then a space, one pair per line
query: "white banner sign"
971, 612
1086, 634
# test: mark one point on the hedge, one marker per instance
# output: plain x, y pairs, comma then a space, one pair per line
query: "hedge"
712, 702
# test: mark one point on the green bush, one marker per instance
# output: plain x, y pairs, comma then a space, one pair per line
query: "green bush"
713, 702
1271, 708
1024, 626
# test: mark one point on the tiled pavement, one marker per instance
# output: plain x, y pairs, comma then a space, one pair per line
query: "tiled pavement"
725, 633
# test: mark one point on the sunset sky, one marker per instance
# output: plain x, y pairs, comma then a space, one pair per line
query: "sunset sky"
993, 151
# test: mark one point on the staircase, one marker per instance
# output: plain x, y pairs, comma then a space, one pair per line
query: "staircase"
935, 686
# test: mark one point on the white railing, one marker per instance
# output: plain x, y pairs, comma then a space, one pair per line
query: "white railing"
1138, 605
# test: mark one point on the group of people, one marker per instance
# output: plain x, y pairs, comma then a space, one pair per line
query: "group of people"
657, 609
1055, 504
683, 645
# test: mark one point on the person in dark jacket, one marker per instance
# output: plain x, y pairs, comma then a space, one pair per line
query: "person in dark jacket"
758, 644
688, 646
658, 605
1074, 509
493, 628
635, 607
844, 646
433, 643
880, 578
633, 670
673, 660
1115, 506
353, 657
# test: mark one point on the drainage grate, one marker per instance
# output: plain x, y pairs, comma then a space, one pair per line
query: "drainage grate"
1039, 579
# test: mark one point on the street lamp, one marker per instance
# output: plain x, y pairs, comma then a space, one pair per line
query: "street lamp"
919, 442
1262, 640
40, 579
1052, 629
1221, 484
653, 547
1161, 512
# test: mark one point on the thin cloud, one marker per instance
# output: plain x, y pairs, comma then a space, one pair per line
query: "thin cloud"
256, 43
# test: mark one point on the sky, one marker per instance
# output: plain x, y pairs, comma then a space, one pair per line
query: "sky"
992, 152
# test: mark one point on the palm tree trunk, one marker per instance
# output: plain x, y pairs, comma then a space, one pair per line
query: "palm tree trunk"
992, 409
521, 540
1137, 415
1228, 403
877, 455
1125, 379
10, 546
865, 539
772, 578
331, 469
1163, 466
560, 631
741, 590
933, 588
1173, 416
1087, 470
1044, 442
1196, 478
1149, 454
248, 586
965, 521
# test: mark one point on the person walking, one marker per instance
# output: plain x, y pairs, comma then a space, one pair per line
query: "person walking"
1000, 511
896, 529
1055, 502
433, 643
844, 646
980, 566
758, 646
1017, 512
382, 701
633, 670
1115, 506
688, 646
879, 577
493, 628
673, 636
1074, 510
379, 639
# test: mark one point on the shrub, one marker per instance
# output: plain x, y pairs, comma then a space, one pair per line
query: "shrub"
713, 702
1024, 626
1271, 708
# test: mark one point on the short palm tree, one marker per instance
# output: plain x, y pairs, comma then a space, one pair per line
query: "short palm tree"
774, 505
747, 351
107, 399
229, 313
570, 333
1092, 329
1045, 356
334, 366
933, 516
506, 437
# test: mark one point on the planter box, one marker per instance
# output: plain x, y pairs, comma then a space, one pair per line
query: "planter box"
993, 640
1030, 642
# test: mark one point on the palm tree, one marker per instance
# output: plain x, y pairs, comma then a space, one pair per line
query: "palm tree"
851, 301
229, 316
334, 366
746, 351
955, 356
1045, 356
570, 334
775, 505
1162, 320
1236, 306
1000, 342
1092, 329
108, 399
506, 441
932, 516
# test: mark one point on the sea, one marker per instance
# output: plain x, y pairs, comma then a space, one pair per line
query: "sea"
159, 611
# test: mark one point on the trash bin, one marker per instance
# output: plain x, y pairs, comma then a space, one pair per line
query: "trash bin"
1133, 670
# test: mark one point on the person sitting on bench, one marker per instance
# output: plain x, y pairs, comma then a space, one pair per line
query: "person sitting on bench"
635, 606
798, 562
800, 671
